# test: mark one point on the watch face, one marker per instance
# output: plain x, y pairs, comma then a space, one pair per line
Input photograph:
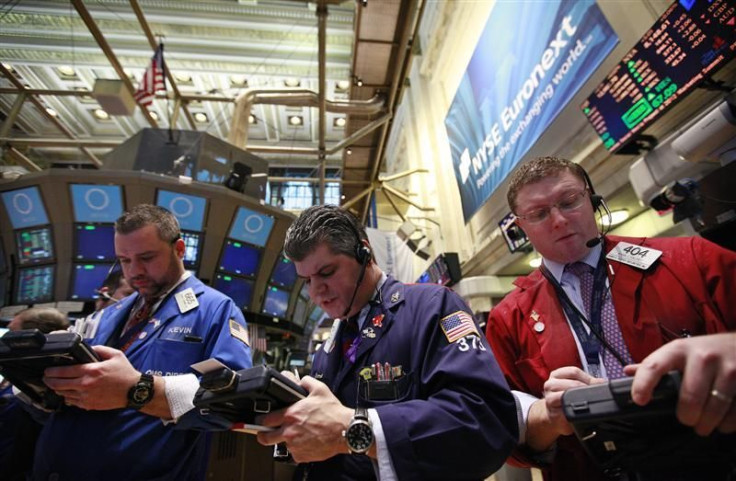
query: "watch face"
141, 394
359, 437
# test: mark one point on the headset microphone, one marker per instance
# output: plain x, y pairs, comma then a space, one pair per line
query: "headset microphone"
593, 242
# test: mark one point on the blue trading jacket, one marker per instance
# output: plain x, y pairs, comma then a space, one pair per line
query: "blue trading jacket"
453, 416
124, 444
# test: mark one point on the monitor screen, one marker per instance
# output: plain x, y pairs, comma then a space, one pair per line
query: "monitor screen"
34, 285
276, 303
284, 273
94, 242
252, 227
514, 236
299, 318
444, 270
25, 207
688, 43
189, 210
34, 245
97, 203
238, 258
192, 248
236, 288
86, 279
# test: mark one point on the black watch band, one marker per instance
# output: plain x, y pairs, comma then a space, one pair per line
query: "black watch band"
141, 393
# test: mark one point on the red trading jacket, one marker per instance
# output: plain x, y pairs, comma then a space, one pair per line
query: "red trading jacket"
691, 287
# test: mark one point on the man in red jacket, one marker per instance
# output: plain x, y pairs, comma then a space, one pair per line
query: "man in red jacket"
638, 294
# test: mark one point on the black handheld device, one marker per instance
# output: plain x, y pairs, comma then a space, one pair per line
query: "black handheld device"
25, 355
648, 441
242, 395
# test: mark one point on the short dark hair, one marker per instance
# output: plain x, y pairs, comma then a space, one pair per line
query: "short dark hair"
537, 169
45, 319
328, 224
146, 214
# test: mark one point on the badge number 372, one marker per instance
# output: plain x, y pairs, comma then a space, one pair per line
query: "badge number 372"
475, 343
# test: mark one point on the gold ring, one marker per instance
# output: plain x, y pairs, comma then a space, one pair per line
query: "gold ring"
720, 396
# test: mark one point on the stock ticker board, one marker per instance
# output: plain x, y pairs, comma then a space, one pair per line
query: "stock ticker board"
688, 43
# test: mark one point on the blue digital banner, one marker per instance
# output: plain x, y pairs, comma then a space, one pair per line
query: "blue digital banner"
25, 208
518, 80
188, 209
97, 203
251, 227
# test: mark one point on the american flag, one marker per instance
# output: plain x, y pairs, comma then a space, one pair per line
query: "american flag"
257, 337
458, 324
153, 79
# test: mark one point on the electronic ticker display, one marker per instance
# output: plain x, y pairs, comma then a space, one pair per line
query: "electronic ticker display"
236, 288
284, 273
96, 203
86, 280
34, 285
34, 245
687, 44
94, 242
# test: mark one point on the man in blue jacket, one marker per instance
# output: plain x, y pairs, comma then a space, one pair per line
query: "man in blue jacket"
130, 416
405, 388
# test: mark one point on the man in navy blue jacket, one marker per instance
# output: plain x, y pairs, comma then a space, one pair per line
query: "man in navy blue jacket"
130, 416
405, 388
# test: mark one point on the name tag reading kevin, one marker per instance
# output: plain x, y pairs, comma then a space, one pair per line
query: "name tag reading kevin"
634, 255
186, 300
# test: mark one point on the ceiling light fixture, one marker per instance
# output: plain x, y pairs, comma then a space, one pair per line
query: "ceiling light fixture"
238, 81
252, 119
51, 112
183, 77
101, 114
343, 84
339, 122
357, 81
66, 71
200, 117
295, 120
292, 82
349, 151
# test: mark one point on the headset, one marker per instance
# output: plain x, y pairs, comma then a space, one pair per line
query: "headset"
363, 255
598, 203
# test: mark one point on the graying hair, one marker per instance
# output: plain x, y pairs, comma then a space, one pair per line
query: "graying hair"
323, 224
45, 319
146, 214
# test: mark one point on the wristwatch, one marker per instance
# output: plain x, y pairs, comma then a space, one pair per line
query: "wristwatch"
141, 393
359, 434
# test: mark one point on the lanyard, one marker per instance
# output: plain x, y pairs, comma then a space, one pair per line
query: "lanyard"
590, 341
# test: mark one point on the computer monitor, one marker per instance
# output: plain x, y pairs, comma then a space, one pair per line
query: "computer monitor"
238, 289
94, 242
192, 249
25, 207
299, 318
284, 273
86, 279
97, 203
34, 285
276, 303
239, 258
35, 245
188, 209
252, 227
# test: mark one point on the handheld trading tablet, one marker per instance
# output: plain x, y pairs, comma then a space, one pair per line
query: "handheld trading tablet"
623, 437
25, 355
242, 395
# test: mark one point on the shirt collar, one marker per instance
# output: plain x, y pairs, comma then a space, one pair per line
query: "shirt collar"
557, 269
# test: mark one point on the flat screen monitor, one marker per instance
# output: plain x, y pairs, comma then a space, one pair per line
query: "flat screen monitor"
444, 270
276, 302
688, 43
284, 273
238, 289
34, 245
192, 249
97, 203
94, 242
514, 236
239, 258
25, 207
252, 227
299, 318
86, 279
34, 285
188, 209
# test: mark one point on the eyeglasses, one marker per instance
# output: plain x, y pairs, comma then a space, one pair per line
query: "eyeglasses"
568, 203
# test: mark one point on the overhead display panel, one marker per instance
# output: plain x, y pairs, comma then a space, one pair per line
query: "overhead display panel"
94, 242
34, 285
252, 227
236, 288
238, 258
97, 203
284, 273
86, 280
35, 245
25, 207
276, 303
688, 43
530, 60
189, 210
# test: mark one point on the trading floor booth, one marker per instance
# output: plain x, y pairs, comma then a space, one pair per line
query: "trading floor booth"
56, 247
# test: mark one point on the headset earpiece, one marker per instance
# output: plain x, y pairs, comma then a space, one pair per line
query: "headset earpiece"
595, 199
362, 253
